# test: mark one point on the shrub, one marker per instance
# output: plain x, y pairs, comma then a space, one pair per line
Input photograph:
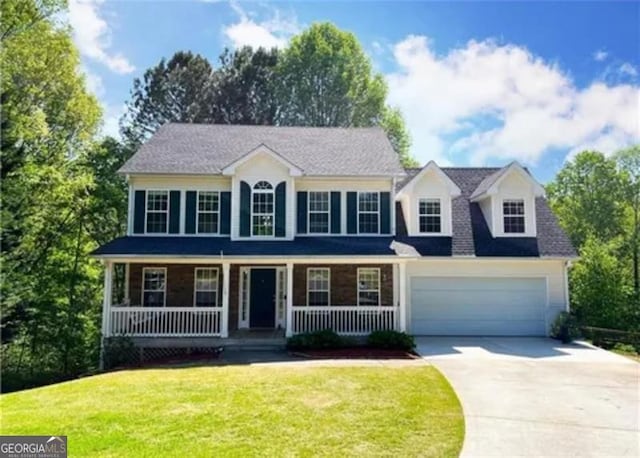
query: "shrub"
391, 340
317, 340
119, 351
565, 328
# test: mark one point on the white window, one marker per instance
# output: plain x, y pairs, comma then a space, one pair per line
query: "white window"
208, 212
429, 216
154, 286
318, 212
368, 286
206, 287
157, 212
513, 213
262, 207
318, 286
368, 212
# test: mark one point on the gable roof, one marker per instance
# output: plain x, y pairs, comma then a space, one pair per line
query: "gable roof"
491, 181
198, 149
408, 184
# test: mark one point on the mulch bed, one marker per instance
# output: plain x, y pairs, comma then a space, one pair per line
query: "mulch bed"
356, 353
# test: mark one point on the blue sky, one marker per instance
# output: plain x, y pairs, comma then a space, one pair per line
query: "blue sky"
479, 83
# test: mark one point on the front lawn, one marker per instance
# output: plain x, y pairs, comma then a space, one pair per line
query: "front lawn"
246, 411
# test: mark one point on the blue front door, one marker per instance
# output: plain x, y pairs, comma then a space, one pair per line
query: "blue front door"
263, 298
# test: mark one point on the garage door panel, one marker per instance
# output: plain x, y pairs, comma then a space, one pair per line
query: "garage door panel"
478, 306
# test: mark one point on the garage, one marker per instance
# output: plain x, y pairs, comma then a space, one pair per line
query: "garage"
475, 306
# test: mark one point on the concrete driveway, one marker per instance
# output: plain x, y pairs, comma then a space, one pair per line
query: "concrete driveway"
537, 397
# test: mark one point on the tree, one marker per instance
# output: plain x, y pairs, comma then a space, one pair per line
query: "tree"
628, 161
177, 90
393, 124
50, 286
325, 79
243, 87
587, 196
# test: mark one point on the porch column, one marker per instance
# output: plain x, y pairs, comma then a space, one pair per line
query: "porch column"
224, 325
289, 327
107, 298
106, 308
402, 295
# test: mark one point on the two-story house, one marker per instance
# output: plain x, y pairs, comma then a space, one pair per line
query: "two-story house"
301, 229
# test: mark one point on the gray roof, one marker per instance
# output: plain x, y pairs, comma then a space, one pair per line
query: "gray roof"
471, 235
208, 148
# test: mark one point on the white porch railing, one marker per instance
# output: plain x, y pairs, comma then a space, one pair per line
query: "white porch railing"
165, 321
346, 320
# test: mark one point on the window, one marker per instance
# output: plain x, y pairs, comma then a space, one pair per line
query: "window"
154, 287
429, 211
513, 212
206, 287
157, 211
368, 212
369, 286
318, 212
318, 281
262, 209
208, 212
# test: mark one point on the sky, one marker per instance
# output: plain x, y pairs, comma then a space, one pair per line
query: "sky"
479, 83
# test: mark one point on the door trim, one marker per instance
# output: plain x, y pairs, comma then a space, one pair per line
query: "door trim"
279, 320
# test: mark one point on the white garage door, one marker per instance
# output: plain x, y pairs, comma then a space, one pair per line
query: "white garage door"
478, 306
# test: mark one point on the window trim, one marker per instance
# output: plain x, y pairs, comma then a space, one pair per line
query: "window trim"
379, 290
524, 217
143, 290
377, 193
196, 290
432, 199
198, 212
271, 191
328, 212
146, 210
328, 290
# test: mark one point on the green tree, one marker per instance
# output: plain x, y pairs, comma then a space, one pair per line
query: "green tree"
393, 124
177, 90
243, 87
49, 285
628, 161
587, 195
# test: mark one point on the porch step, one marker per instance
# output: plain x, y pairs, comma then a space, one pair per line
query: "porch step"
265, 344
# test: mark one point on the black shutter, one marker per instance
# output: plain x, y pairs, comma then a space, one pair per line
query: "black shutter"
385, 213
245, 209
225, 212
174, 212
352, 213
138, 212
281, 209
335, 212
302, 212
190, 213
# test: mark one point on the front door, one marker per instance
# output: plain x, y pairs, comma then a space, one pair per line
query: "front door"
262, 312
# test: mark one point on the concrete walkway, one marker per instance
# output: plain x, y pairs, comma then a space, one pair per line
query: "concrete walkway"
537, 397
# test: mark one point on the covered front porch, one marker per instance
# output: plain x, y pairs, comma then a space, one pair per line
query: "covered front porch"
224, 299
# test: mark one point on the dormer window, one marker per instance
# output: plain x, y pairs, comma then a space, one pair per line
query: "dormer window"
430, 216
262, 209
513, 214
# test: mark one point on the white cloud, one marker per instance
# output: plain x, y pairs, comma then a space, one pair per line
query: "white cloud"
502, 102
93, 81
274, 32
111, 120
600, 55
92, 35
628, 69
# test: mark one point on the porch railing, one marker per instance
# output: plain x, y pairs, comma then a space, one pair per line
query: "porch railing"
165, 321
344, 320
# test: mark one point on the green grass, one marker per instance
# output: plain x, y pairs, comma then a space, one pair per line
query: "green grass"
246, 411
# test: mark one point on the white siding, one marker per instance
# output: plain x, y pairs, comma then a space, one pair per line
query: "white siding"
551, 270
